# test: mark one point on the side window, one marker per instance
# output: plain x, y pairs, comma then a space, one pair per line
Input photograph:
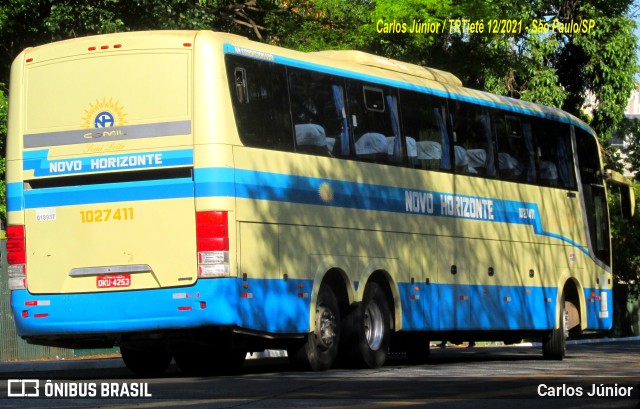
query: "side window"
374, 122
424, 124
259, 98
317, 110
593, 191
554, 154
472, 150
515, 148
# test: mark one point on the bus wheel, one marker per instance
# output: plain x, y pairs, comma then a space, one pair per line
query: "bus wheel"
146, 362
371, 327
320, 348
555, 345
209, 361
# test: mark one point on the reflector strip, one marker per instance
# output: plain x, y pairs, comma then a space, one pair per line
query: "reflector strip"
36, 303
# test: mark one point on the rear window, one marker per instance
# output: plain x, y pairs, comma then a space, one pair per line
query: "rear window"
107, 91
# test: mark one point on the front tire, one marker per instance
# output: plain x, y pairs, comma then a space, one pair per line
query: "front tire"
554, 347
146, 361
320, 348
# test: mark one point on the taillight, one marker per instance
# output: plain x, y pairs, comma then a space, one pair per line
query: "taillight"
16, 258
212, 241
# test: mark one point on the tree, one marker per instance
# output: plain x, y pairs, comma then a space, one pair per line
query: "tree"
4, 105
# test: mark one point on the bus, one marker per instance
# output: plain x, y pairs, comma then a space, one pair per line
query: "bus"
195, 196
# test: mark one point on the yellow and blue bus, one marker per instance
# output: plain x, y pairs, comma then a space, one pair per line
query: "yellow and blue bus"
195, 196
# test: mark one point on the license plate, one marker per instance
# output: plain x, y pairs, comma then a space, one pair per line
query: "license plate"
113, 280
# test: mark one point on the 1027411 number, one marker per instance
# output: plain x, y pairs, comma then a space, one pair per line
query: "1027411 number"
106, 215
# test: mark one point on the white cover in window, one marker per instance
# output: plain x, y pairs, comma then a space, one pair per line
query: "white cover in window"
427, 150
548, 170
477, 158
310, 135
371, 143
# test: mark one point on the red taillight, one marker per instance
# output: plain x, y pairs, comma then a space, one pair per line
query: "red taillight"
212, 231
212, 238
16, 258
16, 249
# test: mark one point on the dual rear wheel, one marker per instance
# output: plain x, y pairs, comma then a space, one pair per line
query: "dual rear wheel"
361, 336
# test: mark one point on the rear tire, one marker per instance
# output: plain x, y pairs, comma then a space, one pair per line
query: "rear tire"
554, 347
369, 328
146, 361
320, 348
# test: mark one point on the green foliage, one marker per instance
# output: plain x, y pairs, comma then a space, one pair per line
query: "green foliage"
608, 69
320, 25
539, 77
4, 108
628, 130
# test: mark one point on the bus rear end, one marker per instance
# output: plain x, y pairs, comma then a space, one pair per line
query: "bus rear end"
104, 241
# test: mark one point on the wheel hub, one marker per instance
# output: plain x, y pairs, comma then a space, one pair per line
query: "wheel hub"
326, 323
373, 326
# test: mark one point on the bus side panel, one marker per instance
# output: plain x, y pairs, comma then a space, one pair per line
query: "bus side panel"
270, 301
599, 313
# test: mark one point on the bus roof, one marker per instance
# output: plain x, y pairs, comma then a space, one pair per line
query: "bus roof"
348, 63
384, 63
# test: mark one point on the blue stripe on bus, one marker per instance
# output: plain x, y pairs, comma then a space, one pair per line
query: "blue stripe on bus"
306, 190
248, 184
278, 306
15, 196
551, 113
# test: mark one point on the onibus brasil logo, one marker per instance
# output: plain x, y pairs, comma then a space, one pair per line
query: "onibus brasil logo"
105, 113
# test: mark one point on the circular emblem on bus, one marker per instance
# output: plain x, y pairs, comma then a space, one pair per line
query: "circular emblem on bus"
104, 113
104, 120
326, 192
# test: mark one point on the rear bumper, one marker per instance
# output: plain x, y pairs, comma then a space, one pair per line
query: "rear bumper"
272, 306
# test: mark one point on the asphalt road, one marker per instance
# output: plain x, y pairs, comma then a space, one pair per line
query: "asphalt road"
481, 377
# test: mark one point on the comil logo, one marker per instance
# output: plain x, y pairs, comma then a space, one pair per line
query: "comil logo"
105, 113
23, 388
